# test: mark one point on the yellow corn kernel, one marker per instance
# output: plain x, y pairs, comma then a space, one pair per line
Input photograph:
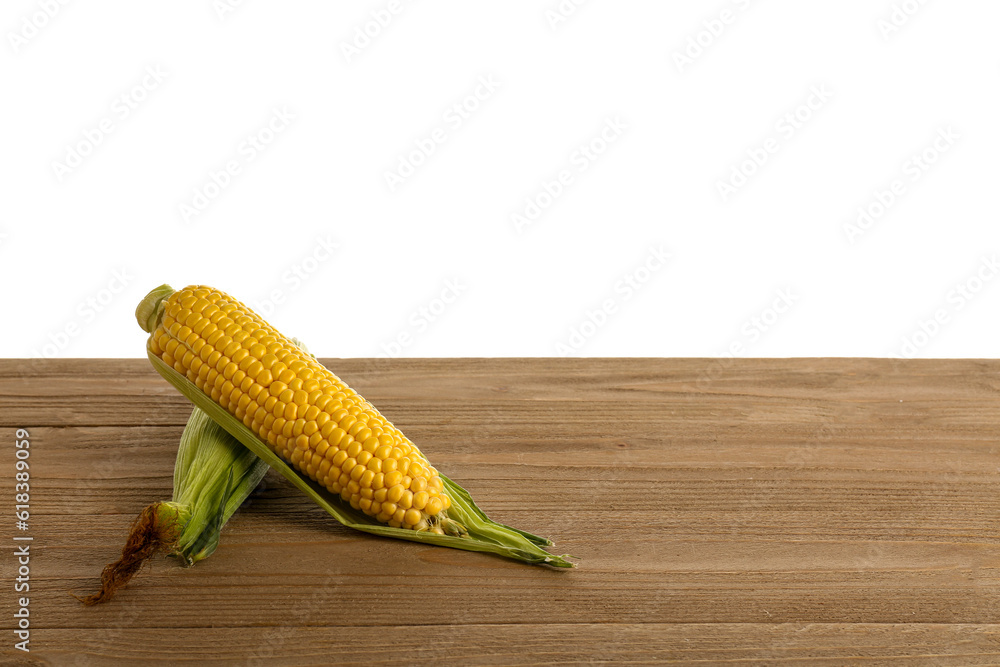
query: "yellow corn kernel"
434, 506
420, 500
406, 500
395, 493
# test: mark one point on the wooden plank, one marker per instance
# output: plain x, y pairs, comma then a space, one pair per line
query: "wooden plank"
520, 644
737, 510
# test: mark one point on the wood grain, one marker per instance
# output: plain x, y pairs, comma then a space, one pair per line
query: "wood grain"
820, 511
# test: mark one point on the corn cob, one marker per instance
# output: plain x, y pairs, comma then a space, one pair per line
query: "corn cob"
307, 415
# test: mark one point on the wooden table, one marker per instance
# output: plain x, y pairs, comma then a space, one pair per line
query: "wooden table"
825, 511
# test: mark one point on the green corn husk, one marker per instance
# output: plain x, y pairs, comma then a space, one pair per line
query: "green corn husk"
213, 475
484, 534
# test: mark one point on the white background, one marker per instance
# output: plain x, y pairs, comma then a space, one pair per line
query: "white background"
895, 80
